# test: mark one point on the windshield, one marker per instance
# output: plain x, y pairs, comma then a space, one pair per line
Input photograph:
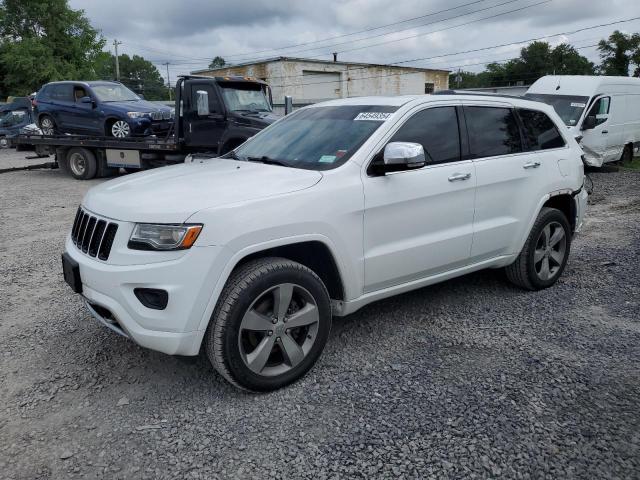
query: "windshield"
316, 138
568, 107
111, 92
244, 97
13, 117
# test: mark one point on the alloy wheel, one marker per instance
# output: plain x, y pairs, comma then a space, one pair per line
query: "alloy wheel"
550, 251
278, 330
46, 124
120, 129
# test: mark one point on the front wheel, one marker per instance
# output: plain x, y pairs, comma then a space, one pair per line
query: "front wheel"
545, 253
270, 325
120, 129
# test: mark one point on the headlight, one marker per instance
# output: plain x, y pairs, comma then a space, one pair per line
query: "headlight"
148, 236
136, 114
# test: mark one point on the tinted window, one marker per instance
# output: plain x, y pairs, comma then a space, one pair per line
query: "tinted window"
540, 131
436, 129
213, 100
492, 131
60, 92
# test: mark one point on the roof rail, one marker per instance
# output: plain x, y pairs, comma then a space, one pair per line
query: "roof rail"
477, 94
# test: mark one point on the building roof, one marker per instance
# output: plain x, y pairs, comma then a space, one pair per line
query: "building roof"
314, 60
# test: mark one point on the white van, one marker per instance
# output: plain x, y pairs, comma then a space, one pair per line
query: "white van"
604, 111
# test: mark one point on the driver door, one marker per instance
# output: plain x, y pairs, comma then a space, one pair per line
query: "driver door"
419, 222
203, 127
595, 140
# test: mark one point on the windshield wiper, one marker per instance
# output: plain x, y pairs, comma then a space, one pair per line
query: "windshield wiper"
268, 161
232, 154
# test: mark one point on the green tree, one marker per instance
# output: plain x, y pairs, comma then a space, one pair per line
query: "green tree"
618, 53
138, 74
42, 41
217, 62
536, 60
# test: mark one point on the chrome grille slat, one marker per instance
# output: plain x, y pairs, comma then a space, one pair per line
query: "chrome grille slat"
92, 235
81, 231
91, 225
96, 239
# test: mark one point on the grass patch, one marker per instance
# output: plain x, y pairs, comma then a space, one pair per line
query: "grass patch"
634, 165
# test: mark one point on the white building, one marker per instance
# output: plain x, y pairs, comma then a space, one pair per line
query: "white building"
310, 81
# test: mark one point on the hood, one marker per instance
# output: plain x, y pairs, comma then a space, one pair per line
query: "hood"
255, 119
172, 194
135, 106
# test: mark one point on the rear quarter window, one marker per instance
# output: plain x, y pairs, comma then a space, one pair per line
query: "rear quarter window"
539, 130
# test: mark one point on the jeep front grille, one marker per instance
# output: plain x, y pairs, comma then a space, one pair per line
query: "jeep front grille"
93, 235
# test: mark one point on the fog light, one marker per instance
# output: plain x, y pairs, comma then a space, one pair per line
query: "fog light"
152, 297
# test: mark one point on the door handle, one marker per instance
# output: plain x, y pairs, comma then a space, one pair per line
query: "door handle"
605, 132
531, 165
456, 177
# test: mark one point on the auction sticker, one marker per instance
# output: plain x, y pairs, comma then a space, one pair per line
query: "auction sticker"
578, 105
375, 116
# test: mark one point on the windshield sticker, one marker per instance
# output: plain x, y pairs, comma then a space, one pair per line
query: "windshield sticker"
375, 116
327, 159
578, 105
341, 153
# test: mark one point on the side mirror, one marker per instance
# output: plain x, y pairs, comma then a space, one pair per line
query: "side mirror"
589, 122
202, 103
403, 155
86, 99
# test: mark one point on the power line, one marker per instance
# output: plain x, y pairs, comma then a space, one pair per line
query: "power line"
286, 47
333, 45
475, 50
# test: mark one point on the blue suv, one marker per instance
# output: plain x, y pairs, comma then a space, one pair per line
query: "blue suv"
98, 108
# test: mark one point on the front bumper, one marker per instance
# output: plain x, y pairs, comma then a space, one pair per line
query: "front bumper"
145, 126
189, 280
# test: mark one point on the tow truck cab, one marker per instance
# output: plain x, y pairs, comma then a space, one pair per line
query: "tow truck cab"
220, 113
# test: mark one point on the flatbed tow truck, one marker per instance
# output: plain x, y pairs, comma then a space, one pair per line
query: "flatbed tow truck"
213, 116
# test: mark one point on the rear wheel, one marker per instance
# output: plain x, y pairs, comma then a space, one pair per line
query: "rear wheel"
545, 253
270, 326
82, 163
627, 155
47, 125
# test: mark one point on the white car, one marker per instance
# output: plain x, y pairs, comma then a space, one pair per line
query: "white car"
332, 207
603, 111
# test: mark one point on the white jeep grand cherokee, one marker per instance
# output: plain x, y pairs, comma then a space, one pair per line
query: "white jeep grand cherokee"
332, 207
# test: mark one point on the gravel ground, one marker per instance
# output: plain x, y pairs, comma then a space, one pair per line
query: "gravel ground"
471, 378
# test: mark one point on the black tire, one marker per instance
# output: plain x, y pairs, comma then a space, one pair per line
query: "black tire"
627, 155
84, 171
248, 285
43, 122
523, 272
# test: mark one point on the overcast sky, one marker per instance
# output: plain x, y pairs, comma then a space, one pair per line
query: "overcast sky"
188, 33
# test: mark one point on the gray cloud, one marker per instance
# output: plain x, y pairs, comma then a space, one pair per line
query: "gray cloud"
188, 33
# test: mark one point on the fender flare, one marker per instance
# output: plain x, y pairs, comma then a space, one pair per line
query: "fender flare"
239, 255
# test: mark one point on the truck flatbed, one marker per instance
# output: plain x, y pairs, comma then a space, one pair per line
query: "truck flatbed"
67, 141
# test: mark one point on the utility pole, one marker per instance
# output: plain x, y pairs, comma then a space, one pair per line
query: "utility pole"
115, 44
168, 79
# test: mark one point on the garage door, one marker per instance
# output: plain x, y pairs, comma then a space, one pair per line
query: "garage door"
320, 85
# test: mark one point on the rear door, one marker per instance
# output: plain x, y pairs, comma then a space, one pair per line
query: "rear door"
203, 129
419, 223
512, 176
62, 106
